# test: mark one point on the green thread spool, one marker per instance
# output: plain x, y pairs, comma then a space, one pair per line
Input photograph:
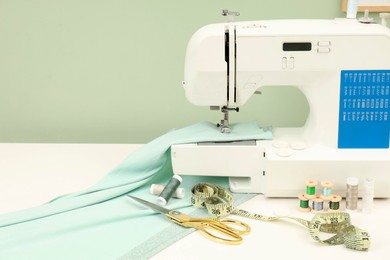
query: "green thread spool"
303, 203
334, 203
311, 188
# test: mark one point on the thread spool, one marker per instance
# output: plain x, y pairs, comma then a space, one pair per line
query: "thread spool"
168, 190
351, 198
156, 189
311, 189
317, 205
352, 9
326, 192
368, 195
303, 203
334, 203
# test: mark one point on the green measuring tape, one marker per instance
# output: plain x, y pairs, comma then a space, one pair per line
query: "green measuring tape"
219, 202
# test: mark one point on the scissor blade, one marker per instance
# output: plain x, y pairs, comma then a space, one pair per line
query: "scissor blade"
151, 205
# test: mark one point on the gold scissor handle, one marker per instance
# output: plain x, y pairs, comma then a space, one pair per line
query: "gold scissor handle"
223, 230
235, 226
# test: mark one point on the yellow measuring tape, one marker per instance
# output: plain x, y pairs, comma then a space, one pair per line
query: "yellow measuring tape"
219, 202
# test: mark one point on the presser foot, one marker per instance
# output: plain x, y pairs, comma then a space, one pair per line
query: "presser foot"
224, 124
224, 127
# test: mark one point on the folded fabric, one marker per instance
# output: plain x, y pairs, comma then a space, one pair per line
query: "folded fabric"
101, 223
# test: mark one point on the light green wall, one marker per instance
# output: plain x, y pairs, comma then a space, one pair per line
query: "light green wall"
95, 71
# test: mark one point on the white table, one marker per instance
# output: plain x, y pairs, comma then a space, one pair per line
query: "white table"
32, 174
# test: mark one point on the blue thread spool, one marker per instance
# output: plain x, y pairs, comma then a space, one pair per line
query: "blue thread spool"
326, 193
168, 190
317, 205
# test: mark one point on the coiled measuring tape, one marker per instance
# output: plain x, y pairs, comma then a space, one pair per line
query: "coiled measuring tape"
219, 202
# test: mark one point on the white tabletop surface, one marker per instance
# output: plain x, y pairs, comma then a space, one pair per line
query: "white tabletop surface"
32, 174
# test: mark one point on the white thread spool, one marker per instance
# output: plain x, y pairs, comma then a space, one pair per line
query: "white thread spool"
384, 17
368, 195
156, 189
352, 8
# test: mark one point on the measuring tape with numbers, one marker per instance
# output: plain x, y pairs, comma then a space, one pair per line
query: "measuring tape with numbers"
219, 202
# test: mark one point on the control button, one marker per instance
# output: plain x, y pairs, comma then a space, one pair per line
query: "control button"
291, 63
298, 145
323, 50
280, 144
284, 63
284, 152
323, 43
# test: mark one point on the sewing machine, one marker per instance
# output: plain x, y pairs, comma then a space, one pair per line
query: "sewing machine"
342, 66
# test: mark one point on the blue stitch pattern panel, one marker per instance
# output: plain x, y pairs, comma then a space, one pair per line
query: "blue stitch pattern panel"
364, 109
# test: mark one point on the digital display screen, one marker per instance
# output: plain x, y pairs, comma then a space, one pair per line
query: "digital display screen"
297, 46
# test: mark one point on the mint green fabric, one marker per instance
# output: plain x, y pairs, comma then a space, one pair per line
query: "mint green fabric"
102, 223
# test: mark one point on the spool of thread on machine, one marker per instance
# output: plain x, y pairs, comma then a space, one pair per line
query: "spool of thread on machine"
352, 8
168, 190
351, 197
156, 189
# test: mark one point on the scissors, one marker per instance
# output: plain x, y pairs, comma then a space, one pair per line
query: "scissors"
218, 229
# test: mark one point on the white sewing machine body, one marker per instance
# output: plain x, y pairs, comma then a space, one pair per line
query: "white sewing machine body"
341, 66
